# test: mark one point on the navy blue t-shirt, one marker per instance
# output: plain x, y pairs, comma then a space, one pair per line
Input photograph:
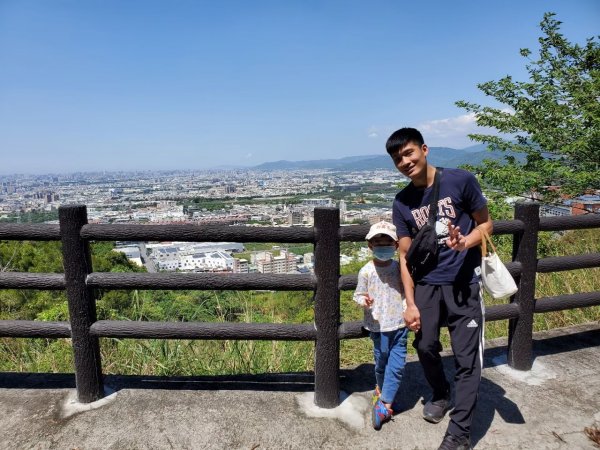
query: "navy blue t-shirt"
460, 195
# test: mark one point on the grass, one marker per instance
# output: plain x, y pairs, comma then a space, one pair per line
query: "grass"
187, 357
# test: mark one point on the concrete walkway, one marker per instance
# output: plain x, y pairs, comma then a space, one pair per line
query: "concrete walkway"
547, 408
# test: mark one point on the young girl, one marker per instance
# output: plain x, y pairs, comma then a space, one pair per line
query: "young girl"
379, 291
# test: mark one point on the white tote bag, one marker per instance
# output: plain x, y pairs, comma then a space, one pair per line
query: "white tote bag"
495, 277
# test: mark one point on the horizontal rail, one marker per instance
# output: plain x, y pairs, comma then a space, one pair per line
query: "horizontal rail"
197, 233
514, 267
562, 263
203, 330
352, 330
570, 301
26, 280
502, 312
355, 330
34, 329
569, 222
212, 233
353, 233
357, 233
347, 282
202, 281
29, 232
508, 226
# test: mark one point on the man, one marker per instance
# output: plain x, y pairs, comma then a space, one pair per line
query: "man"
451, 292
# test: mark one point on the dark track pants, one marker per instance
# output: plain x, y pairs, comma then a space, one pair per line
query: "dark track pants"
461, 307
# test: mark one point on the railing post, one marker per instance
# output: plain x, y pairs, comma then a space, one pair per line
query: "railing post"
520, 330
82, 308
327, 307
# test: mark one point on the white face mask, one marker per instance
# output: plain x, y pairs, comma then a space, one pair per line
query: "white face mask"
384, 252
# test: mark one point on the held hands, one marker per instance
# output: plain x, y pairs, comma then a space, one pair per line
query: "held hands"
456, 241
412, 318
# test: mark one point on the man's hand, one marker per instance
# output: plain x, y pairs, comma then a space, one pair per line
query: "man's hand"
412, 318
368, 301
456, 241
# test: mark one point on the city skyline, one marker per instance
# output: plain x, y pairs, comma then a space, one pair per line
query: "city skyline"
107, 86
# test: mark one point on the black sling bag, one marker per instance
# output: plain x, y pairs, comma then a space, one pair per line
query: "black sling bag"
422, 255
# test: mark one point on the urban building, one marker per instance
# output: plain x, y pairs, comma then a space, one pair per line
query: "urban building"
284, 263
295, 217
240, 265
585, 204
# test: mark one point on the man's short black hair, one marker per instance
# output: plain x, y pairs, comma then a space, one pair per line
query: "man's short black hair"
401, 137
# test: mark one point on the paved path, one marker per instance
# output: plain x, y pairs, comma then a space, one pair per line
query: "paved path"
547, 408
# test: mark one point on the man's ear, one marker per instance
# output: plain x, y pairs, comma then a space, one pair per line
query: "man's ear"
425, 149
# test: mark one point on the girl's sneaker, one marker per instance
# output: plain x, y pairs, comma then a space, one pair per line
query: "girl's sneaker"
376, 395
380, 414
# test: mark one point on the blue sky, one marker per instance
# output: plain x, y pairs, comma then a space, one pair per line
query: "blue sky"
110, 85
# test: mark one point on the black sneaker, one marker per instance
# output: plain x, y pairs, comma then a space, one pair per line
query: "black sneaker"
452, 442
435, 410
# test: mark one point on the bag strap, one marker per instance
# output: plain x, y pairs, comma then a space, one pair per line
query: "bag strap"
485, 238
434, 198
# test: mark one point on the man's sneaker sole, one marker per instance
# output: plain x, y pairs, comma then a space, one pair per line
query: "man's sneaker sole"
431, 419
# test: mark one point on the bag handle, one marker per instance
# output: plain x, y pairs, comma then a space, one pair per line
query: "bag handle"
433, 203
485, 238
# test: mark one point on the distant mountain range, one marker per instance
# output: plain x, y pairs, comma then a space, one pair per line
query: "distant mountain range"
438, 156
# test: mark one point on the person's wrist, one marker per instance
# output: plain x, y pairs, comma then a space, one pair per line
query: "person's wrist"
469, 241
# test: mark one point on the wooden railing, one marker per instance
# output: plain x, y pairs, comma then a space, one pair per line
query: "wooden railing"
79, 280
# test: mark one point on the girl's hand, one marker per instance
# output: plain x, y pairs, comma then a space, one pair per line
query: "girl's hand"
412, 318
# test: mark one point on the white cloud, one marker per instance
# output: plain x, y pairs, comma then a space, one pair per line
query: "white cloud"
449, 132
248, 155
373, 132
452, 131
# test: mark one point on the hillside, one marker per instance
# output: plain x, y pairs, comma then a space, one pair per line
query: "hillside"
439, 156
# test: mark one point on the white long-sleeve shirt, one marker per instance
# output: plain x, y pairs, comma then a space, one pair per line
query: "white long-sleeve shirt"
383, 285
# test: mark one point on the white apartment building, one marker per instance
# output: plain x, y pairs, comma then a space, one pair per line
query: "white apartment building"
169, 264
316, 202
165, 253
373, 219
206, 247
180, 249
295, 217
207, 261
240, 265
284, 263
